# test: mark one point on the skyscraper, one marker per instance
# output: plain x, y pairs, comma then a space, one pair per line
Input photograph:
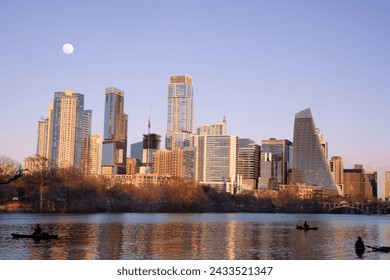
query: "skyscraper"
387, 184
180, 112
276, 161
216, 160
42, 142
336, 165
310, 166
248, 163
212, 129
115, 133
67, 129
95, 154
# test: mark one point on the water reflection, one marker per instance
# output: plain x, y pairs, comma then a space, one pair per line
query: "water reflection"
193, 236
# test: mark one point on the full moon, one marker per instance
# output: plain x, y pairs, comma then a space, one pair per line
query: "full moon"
68, 48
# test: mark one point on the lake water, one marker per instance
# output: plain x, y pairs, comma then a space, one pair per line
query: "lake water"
193, 236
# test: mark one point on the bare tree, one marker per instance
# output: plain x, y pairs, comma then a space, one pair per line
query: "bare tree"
10, 170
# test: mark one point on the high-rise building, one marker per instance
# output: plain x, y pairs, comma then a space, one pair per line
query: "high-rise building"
216, 160
310, 166
42, 142
132, 166
178, 163
356, 182
212, 129
336, 165
151, 143
248, 163
275, 163
136, 150
86, 142
373, 179
180, 111
387, 184
115, 133
67, 129
95, 154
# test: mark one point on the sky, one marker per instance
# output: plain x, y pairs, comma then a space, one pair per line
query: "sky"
256, 62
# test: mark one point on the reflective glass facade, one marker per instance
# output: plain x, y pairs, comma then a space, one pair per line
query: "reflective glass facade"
180, 111
310, 166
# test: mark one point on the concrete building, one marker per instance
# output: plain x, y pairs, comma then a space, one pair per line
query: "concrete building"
132, 166
212, 129
151, 144
336, 165
42, 141
180, 111
356, 182
115, 133
387, 184
95, 155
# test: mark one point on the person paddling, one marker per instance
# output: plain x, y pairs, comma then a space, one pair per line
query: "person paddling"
305, 225
359, 247
37, 231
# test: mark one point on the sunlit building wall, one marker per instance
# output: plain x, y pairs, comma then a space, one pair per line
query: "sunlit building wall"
248, 163
115, 133
132, 166
336, 165
212, 129
356, 182
67, 129
42, 141
216, 160
387, 184
95, 154
86, 142
310, 166
373, 179
180, 111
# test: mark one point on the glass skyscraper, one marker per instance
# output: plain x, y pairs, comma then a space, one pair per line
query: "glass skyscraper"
180, 112
310, 166
115, 133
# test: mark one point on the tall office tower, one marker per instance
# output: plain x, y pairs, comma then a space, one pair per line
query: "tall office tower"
67, 129
95, 154
115, 133
336, 165
178, 163
180, 112
151, 144
42, 143
310, 166
373, 179
86, 142
248, 163
136, 151
132, 166
323, 143
275, 163
387, 184
212, 129
216, 160
356, 182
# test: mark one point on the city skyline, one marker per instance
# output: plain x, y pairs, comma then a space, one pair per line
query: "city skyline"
256, 63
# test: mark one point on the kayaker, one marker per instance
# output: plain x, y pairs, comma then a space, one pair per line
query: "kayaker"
38, 230
359, 244
305, 225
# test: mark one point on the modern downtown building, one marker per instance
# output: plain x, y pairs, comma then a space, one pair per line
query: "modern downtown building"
212, 129
387, 184
336, 165
356, 182
276, 163
180, 111
310, 166
248, 163
115, 133
68, 130
216, 161
95, 154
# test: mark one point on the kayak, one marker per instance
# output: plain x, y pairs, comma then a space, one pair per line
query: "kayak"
41, 236
306, 228
382, 248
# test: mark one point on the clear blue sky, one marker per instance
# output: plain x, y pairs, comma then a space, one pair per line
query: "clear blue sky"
255, 62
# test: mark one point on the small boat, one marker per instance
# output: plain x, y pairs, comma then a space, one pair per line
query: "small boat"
359, 251
381, 248
34, 236
306, 228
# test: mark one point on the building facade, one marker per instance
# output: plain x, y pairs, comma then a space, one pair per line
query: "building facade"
95, 154
67, 129
276, 162
212, 129
216, 160
42, 141
248, 163
180, 112
387, 184
336, 165
310, 166
115, 133
356, 182
150, 144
